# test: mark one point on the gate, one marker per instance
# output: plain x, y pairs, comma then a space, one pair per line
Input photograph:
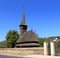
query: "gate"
55, 49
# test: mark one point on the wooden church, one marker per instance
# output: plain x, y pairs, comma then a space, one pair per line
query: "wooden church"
26, 38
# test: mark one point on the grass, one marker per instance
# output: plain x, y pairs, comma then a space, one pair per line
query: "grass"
58, 50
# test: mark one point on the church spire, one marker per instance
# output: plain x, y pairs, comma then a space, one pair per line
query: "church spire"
23, 26
23, 18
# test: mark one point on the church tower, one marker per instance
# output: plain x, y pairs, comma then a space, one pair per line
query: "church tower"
23, 25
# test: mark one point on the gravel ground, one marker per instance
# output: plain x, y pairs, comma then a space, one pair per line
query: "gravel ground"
43, 56
31, 56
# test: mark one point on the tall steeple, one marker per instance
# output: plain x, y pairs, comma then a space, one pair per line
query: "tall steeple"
23, 26
23, 18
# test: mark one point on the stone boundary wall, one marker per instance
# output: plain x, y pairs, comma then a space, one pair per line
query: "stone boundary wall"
22, 51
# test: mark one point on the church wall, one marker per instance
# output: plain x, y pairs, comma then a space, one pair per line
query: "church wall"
22, 51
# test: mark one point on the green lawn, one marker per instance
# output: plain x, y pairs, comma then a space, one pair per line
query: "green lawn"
58, 50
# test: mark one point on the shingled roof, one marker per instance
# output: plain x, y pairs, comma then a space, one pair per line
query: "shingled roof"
28, 37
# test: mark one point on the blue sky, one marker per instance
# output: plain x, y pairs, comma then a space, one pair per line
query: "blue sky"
42, 16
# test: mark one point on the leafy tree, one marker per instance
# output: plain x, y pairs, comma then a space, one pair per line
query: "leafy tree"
3, 44
41, 42
11, 38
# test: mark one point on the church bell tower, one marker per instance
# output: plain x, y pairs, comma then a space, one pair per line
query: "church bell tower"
23, 25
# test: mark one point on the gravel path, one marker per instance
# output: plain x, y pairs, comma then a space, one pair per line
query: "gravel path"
31, 56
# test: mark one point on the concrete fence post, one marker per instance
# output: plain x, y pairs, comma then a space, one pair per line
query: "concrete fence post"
46, 48
52, 45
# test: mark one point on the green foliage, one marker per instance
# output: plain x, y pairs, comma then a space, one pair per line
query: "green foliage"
13, 35
11, 38
3, 44
41, 41
49, 39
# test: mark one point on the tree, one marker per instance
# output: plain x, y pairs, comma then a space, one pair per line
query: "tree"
41, 41
3, 44
11, 38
